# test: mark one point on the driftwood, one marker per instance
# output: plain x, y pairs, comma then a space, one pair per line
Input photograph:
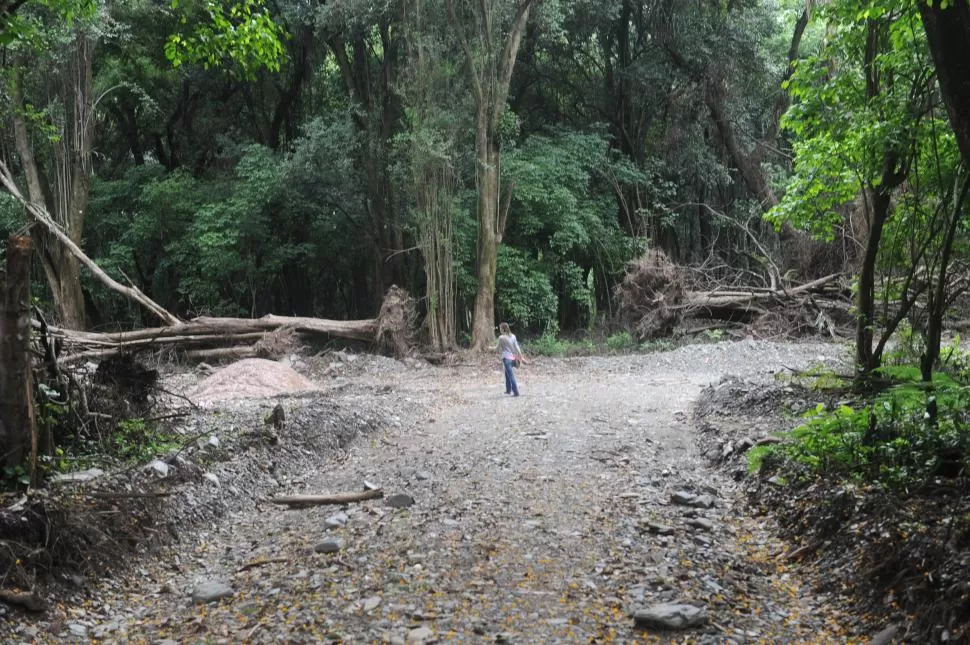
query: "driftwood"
26, 599
260, 563
320, 500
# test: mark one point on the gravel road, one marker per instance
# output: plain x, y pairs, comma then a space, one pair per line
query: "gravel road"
554, 517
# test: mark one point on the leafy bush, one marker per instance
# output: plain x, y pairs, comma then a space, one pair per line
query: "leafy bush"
620, 342
525, 295
906, 436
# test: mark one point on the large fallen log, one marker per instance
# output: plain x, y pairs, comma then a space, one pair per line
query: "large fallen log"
205, 336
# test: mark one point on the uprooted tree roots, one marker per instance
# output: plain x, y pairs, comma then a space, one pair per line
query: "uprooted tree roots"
650, 295
657, 296
396, 322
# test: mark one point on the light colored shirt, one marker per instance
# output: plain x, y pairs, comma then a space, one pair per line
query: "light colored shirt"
509, 346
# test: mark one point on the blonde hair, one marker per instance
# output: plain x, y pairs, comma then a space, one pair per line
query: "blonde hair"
504, 328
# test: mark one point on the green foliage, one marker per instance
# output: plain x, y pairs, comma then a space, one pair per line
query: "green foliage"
525, 293
551, 345
27, 27
235, 34
842, 124
137, 441
564, 213
893, 440
621, 342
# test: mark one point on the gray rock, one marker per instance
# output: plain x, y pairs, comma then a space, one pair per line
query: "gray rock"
211, 591
703, 501
682, 497
336, 520
159, 467
422, 475
659, 529
213, 441
399, 500
77, 630
329, 546
80, 476
211, 478
420, 634
885, 636
701, 523
372, 603
670, 616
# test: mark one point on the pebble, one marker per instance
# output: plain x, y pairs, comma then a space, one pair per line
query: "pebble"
329, 546
399, 500
211, 591
420, 634
670, 616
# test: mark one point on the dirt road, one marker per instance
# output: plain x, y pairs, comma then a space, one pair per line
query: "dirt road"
552, 517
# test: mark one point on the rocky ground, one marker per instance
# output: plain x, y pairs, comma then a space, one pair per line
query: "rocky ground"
582, 511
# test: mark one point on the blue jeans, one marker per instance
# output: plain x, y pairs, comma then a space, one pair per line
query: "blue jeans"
511, 387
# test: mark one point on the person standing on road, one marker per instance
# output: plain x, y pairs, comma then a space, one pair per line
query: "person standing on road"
508, 345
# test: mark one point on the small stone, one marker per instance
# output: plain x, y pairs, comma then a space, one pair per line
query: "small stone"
420, 634
701, 523
372, 603
885, 636
210, 477
703, 501
399, 500
682, 497
77, 630
659, 529
336, 520
213, 441
160, 467
670, 616
210, 592
329, 546
370, 485
422, 475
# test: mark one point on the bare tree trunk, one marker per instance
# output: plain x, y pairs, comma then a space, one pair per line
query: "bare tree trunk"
18, 428
64, 195
948, 31
489, 237
489, 74
879, 204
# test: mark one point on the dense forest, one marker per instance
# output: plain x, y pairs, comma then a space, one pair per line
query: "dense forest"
299, 158
501, 160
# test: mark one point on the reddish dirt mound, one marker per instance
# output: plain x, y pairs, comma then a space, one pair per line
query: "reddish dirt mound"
252, 378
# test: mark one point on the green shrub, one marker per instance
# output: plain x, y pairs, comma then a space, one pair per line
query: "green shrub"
621, 342
902, 438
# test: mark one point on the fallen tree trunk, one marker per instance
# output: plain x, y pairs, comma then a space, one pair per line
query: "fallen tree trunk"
320, 500
204, 337
42, 217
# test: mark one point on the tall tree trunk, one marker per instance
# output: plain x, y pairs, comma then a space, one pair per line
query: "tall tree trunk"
879, 204
489, 237
67, 201
489, 74
18, 431
948, 32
